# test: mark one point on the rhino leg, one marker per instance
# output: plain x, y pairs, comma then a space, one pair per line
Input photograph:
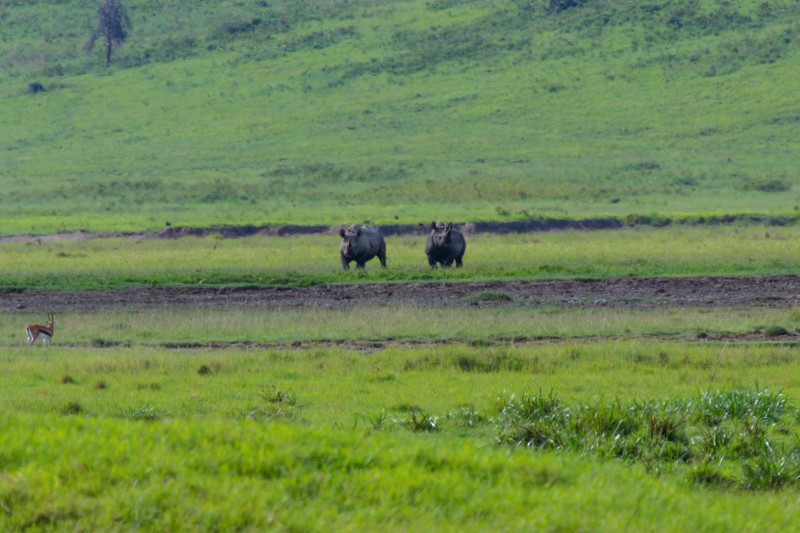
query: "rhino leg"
431, 262
459, 262
345, 263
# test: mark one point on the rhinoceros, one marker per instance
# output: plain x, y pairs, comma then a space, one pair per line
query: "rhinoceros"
445, 244
360, 244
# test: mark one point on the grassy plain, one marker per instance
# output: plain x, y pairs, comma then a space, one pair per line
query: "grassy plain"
407, 438
298, 261
317, 112
403, 417
254, 476
311, 112
400, 324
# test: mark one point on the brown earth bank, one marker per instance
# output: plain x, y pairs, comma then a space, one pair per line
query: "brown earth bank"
746, 291
232, 232
373, 346
469, 228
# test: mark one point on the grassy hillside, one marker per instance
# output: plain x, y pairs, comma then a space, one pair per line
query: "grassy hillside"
344, 111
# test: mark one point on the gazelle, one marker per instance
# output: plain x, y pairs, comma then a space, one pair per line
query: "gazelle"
37, 330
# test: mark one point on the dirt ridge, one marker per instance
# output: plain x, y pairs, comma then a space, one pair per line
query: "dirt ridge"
519, 226
745, 291
368, 346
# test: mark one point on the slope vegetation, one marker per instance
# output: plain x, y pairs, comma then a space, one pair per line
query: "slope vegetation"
333, 112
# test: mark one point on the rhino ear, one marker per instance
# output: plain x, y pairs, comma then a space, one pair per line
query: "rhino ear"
341, 232
448, 227
358, 232
433, 225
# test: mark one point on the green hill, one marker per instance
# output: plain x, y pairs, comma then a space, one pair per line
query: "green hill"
340, 111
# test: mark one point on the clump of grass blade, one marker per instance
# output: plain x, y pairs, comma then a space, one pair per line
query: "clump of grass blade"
422, 422
71, 408
147, 414
376, 422
279, 396
713, 435
776, 331
279, 404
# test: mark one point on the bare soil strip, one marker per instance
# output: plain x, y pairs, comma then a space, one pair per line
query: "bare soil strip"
232, 232
366, 346
373, 346
746, 291
468, 228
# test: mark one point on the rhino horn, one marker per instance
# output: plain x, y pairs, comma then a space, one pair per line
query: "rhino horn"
341, 232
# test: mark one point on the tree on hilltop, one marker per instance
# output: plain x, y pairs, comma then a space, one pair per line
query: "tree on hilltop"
113, 25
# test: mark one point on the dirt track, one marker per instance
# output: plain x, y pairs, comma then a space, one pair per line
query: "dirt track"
779, 291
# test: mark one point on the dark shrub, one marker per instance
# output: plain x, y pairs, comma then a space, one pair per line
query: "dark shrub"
557, 6
34, 88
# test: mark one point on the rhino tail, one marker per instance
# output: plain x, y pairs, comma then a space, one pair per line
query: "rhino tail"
382, 253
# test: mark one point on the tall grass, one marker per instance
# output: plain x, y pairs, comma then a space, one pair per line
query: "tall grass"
730, 438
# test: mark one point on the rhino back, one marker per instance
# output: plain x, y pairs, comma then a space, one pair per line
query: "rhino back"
370, 241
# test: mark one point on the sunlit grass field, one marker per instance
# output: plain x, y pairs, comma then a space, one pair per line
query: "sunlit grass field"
307, 260
106, 474
405, 437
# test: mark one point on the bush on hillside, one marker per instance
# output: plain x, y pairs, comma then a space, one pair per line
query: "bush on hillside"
557, 6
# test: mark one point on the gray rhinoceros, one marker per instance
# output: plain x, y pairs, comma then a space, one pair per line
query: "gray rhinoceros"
445, 244
360, 244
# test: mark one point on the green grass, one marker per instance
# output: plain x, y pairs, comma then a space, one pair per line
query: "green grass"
401, 324
111, 428
309, 438
493, 416
302, 261
711, 434
279, 477
337, 387
310, 112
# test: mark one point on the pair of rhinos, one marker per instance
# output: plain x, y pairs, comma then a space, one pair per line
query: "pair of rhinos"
445, 244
